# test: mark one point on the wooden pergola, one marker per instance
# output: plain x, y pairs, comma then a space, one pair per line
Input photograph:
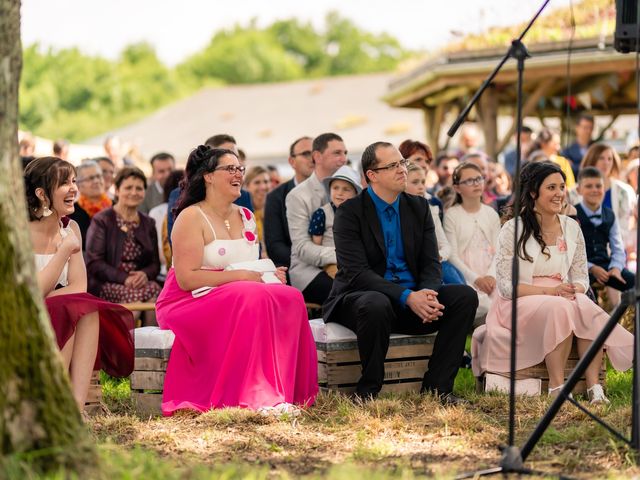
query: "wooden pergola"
603, 80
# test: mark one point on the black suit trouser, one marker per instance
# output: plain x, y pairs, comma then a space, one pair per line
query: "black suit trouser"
373, 317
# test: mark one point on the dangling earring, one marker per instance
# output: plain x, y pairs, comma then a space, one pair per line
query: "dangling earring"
46, 211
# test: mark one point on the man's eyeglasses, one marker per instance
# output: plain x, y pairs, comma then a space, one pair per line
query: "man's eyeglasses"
472, 182
232, 169
91, 178
392, 166
306, 154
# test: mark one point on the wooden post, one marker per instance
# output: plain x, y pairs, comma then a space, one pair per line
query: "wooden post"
488, 113
433, 117
528, 108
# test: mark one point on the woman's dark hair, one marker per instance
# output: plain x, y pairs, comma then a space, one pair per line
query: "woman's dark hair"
171, 183
532, 176
47, 173
201, 161
129, 172
457, 173
544, 136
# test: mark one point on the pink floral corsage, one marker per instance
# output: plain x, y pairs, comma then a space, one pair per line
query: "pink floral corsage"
250, 226
562, 245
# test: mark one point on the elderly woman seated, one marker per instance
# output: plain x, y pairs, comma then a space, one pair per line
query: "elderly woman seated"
122, 246
93, 197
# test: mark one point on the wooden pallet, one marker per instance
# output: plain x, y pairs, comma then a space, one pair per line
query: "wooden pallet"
339, 366
93, 404
147, 379
540, 371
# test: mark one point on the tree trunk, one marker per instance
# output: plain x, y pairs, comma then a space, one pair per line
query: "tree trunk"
39, 420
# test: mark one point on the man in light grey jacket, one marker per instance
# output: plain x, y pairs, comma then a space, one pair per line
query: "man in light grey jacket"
307, 258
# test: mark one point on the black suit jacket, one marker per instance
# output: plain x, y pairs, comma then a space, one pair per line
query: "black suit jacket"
361, 252
276, 228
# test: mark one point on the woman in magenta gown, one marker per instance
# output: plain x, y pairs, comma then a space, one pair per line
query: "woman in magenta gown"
242, 343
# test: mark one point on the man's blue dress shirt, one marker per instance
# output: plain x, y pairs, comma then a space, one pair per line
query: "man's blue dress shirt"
397, 268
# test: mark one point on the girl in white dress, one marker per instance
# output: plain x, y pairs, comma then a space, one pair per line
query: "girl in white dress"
472, 229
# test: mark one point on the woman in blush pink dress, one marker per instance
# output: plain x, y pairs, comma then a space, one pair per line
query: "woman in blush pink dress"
242, 343
552, 306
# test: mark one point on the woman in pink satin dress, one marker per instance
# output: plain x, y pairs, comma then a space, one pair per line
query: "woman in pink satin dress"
243, 343
552, 305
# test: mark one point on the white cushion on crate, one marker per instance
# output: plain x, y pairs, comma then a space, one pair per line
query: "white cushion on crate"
153, 338
334, 332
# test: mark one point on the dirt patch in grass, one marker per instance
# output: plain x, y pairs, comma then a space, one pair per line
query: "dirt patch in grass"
394, 433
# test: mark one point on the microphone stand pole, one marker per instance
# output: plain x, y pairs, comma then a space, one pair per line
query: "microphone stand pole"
512, 460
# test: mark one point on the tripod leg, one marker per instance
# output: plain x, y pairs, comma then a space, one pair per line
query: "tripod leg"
573, 379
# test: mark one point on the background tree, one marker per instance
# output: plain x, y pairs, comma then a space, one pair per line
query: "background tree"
68, 94
39, 419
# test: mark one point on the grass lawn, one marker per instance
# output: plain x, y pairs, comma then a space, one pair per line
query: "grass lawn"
396, 436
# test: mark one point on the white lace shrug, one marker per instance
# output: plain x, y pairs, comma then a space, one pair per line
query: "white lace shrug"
574, 269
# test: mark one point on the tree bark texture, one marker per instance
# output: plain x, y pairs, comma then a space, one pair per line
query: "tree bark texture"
39, 421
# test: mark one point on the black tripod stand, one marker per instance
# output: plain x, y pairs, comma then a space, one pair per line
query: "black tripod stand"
513, 457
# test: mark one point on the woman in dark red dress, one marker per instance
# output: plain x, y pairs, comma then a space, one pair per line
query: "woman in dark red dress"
90, 332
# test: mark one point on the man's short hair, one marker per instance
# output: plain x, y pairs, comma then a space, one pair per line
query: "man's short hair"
295, 142
59, 145
585, 116
220, 139
162, 156
104, 159
321, 142
527, 130
369, 159
442, 156
589, 172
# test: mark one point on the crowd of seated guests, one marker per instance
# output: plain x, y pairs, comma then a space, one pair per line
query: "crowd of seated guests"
124, 223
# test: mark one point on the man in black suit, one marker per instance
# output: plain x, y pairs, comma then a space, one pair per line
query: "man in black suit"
389, 277
276, 229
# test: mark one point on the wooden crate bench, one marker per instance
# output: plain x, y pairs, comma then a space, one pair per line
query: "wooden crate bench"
93, 404
533, 380
153, 347
339, 365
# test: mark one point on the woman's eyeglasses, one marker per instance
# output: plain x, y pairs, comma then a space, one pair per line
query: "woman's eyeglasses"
472, 182
232, 169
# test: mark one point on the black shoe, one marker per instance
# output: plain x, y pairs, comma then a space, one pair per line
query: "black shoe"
451, 400
364, 397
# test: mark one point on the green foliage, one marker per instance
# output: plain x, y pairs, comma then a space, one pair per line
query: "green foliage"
68, 94
290, 49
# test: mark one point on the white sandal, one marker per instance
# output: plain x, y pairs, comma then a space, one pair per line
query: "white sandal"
596, 395
555, 391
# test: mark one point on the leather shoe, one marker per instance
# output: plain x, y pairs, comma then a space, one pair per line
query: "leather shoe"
364, 397
451, 400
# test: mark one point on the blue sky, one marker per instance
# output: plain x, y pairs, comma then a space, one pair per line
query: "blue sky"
177, 29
